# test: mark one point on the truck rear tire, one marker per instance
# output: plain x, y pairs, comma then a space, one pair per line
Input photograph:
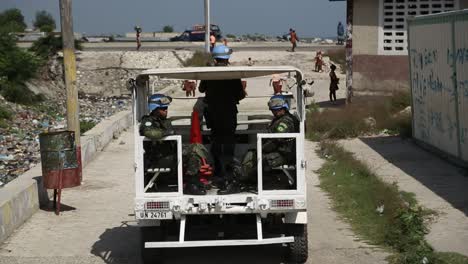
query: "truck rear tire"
151, 234
298, 251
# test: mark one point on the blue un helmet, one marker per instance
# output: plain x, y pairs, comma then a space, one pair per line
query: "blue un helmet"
158, 101
221, 52
277, 102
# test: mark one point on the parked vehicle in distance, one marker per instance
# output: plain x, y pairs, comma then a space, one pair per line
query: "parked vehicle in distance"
197, 33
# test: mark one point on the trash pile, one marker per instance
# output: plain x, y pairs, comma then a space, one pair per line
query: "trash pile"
96, 108
19, 139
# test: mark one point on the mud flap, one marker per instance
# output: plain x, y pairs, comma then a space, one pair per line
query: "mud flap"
295, 218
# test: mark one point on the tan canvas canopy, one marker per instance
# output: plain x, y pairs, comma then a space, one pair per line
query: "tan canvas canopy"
219, 73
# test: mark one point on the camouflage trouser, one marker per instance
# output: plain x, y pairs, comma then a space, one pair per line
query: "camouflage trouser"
249, 164
192, 156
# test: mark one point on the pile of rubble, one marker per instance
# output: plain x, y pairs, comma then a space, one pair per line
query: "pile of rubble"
19, 141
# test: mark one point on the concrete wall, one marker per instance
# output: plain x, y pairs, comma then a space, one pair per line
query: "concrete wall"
161, 35
21, 198
463, 4
372, 73
365, 27
378, 74
439, 113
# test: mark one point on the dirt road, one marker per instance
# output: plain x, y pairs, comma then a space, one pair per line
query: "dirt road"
97, 225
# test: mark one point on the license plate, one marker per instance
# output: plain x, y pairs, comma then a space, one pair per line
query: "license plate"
155, 215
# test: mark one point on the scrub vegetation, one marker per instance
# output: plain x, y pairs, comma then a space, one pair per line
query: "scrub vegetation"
5, 115
198, 59
85, 126
379, 213
18, 66
365, 116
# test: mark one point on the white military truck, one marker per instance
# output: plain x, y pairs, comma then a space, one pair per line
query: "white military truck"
272, 211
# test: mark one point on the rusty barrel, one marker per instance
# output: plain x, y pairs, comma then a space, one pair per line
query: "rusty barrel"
59, 159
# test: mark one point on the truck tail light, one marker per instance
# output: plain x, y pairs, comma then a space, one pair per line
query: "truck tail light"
282, 203
157, 205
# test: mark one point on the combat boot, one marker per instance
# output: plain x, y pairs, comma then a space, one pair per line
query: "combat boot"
194, 189
230, 188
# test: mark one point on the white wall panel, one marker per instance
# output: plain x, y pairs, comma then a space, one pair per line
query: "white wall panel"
433, 87
461, 57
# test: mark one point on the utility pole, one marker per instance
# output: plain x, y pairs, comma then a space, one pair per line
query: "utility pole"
69, 63
207, 26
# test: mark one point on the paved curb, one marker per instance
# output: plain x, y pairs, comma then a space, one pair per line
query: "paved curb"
21, 198
437, 184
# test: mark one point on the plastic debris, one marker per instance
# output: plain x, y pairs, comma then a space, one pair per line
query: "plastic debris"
380, 209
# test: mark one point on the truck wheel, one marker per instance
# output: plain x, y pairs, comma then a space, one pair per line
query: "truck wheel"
150, 255
298, 250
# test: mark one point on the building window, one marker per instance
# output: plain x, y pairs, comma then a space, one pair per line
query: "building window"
392, 22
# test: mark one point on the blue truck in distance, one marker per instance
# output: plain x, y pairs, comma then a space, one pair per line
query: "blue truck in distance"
197, 33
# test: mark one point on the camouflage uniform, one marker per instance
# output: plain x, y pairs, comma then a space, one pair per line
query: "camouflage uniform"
193, 156
162, 153
276, 152
156, 128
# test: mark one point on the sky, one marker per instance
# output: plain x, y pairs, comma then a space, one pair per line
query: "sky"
310, 18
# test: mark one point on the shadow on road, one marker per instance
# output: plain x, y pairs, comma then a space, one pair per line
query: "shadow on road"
226, 255
120, 245
63, 207
328, 104
447, 181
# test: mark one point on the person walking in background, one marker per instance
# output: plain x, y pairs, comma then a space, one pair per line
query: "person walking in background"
138, 37
318, 61
340, 33
293, 39
333, 84
277, 82
189, 86
212, 41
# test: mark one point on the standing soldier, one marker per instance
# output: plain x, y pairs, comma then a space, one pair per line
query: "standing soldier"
276, 152
222, 97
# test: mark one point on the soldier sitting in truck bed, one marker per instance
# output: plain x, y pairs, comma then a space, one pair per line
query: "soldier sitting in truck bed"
155, 126
276, 152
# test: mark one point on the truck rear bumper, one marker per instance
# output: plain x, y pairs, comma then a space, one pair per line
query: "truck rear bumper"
220, 243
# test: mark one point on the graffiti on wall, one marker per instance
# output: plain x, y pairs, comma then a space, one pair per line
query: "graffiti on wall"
349, 51
429, 86
439, 89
